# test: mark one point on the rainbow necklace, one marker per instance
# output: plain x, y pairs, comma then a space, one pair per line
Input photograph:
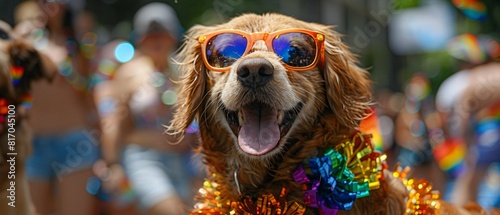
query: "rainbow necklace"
68, 71
66, 67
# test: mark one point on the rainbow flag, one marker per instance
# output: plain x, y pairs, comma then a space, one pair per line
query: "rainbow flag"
450, 156
466, 47
371, 126
472, 9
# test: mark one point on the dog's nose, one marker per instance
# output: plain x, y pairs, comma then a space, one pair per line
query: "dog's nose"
255, 72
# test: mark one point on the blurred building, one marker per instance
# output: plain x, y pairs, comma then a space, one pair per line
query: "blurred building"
394, 38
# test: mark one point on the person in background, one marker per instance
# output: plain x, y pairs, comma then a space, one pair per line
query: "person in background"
63, 114
136, 106
413, 132
469, 101
113, 187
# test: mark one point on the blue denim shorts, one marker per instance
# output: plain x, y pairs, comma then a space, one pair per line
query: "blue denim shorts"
55, 156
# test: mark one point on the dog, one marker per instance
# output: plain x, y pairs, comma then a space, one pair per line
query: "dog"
279, 102
20, 65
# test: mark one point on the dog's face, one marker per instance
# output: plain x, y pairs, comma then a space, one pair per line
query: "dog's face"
264, 97
259, 100
20, 64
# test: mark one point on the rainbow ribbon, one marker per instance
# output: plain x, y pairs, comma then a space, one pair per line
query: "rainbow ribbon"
334, 181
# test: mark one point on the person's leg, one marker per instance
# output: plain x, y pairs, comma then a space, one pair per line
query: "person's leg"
76, 153
72, 196
466, 185
41, 195
150, 182
40, 176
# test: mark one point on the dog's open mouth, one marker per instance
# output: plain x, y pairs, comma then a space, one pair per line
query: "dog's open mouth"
260, 127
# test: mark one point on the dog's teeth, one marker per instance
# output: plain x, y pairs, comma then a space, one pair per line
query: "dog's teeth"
240, 118
280, 117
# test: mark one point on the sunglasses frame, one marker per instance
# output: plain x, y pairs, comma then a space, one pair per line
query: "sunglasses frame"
268, 38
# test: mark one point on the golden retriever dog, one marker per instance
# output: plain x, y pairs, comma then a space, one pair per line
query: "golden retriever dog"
272, 96
20, 65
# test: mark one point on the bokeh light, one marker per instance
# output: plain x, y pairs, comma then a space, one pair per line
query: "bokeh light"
93, 185
124, 52
417, 128
88, 44
107, 67
169, 97
107, 105
65, 68
158, 79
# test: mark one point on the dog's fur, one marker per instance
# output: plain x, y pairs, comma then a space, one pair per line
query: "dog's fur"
14, 51
334, 97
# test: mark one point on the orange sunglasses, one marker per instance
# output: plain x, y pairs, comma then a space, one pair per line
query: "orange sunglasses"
299, 49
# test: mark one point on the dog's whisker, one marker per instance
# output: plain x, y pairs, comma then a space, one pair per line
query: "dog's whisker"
310, 93
209, 104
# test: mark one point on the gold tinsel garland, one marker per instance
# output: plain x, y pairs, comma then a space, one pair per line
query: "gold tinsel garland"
267, 204
366, 165
421, 198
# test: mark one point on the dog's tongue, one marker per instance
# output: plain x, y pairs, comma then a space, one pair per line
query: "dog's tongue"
259, 132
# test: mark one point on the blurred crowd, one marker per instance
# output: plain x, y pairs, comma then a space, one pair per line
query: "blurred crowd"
451, 137
99, 145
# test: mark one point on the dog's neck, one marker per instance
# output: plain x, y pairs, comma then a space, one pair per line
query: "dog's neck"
242, 176
285, 191
247, 183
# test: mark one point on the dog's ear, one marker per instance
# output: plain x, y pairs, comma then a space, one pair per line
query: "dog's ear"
192, 82
347, 86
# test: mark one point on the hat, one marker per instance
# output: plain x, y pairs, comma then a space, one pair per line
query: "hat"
156, 17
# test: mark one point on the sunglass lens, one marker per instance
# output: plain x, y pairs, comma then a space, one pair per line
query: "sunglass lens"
224, 49
295, 49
